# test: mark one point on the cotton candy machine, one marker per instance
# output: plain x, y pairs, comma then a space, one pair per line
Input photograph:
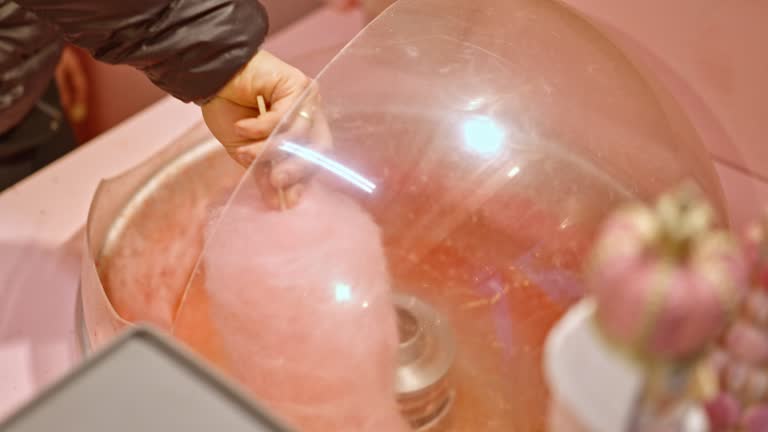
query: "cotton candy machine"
486, 140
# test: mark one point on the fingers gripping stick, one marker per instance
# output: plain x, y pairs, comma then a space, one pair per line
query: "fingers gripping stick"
280, 191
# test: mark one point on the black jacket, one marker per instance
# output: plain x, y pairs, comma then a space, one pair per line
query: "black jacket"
189, 48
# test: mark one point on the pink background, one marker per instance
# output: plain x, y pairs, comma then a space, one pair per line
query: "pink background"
713, 55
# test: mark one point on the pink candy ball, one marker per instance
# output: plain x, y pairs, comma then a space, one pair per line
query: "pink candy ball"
690, 316
756, 307
724, 412
666, 305
756, 419
756, 251
747, 343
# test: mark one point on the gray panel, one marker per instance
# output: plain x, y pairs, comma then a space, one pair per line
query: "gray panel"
142, 383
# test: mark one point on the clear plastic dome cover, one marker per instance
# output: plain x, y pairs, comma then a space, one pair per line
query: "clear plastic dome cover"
471, 150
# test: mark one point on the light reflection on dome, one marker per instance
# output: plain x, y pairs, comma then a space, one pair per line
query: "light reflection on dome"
343, 292
483, 136
331, 165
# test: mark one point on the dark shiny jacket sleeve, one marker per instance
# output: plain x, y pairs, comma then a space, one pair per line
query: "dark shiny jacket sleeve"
189, 48
29, 50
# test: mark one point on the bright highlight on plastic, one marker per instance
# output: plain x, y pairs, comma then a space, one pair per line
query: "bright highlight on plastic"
343, 293
483, 136
329, 164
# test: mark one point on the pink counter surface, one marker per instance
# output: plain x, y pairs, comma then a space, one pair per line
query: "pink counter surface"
40, 218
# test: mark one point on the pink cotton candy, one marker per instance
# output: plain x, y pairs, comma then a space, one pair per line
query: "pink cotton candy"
145, 283
303, 304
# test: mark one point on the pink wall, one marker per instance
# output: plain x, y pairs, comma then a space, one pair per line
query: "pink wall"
117, 92
719, 49
712, 56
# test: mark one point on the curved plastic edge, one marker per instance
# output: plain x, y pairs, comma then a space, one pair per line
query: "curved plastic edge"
101, 322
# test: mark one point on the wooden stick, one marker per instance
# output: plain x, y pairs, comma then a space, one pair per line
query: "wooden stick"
262, 111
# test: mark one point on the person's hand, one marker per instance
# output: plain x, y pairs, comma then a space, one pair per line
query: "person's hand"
73, 86
233, 118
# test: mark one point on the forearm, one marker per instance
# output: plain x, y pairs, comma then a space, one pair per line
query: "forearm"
189, 48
